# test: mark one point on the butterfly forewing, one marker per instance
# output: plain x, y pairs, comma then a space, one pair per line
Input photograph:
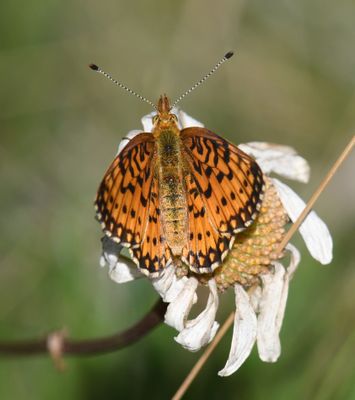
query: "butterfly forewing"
224, 193
124, 193
230, 182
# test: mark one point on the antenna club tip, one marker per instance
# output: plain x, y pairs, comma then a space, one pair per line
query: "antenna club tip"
229, 55
94, 67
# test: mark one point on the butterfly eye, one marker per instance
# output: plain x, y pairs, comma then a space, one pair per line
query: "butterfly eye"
173, 117
155, 119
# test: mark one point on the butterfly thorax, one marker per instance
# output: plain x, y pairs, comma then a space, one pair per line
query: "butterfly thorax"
170, 174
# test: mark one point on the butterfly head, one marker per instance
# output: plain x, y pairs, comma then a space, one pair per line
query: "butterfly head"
164, 118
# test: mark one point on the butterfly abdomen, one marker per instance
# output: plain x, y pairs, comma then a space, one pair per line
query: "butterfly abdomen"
171, 190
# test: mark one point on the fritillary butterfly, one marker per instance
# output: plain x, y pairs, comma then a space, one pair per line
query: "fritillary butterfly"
178, 195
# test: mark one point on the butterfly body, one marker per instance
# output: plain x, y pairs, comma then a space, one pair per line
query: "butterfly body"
174, 195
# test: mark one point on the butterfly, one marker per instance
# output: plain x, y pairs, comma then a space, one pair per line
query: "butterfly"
175, 196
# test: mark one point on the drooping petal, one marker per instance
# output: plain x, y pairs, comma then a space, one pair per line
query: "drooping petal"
121, 269
244, 332
179, 308
268, 340
255, 294
295, 259
130, 135
313, 230
201, 330
283, 160
168, 285
124, 272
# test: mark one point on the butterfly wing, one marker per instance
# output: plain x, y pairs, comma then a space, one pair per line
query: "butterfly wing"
206, 247
224, 189
153, 254
127, 203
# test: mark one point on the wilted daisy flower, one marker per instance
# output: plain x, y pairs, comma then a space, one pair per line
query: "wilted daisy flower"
258, 274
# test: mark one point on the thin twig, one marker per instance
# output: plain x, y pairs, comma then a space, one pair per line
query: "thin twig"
229, 321
196, 369
316, 194
89, 346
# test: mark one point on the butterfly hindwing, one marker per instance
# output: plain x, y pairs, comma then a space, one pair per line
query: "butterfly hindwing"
206, 247
153, 254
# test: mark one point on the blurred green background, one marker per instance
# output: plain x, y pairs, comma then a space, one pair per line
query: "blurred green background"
292, 82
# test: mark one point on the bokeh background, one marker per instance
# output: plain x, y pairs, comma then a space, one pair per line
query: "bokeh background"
291, 82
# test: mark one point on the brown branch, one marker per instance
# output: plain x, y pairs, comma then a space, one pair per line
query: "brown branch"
89, 346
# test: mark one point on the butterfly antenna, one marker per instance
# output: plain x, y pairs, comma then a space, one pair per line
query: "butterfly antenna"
226, 57
95, 68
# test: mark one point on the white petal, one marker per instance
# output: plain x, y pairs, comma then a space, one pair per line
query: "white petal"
122, 271
268, 340
244, 332
186, 121
294, 261
168, 285
180, 307
102, 261
255, 294
147, 121
291, 269
121, 268
282, 160
130, 135
313, 230
202, 329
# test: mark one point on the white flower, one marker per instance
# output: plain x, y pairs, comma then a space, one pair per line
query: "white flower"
259, 309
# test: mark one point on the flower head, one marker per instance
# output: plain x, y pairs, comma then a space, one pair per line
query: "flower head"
258, 274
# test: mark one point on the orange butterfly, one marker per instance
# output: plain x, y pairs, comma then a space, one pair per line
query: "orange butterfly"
173, 194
